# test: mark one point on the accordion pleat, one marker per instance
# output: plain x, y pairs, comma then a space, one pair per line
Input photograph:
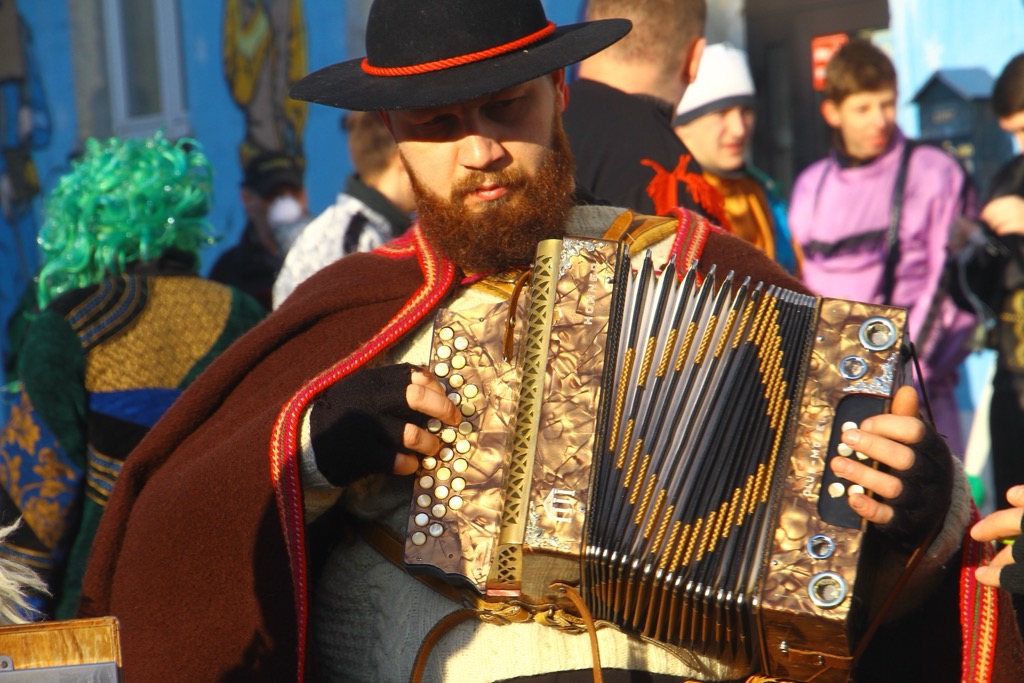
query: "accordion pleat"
701, 412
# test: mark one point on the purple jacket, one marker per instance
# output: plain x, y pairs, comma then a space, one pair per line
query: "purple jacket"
840, 216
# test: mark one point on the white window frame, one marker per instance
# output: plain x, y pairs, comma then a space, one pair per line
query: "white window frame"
174, 119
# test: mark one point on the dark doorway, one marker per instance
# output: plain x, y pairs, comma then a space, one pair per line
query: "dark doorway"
790, 132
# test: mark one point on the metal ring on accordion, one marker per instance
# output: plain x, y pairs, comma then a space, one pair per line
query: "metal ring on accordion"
877, 333
827, 589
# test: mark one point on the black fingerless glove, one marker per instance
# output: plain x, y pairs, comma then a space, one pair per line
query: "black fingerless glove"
1011, 576
356, 425
927, 493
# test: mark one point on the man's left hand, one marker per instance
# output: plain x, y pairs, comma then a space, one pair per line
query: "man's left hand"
914, 489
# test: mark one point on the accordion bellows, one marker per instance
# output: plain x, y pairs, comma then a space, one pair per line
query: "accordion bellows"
661, 440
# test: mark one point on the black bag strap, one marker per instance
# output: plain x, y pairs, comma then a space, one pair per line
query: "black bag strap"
892, 237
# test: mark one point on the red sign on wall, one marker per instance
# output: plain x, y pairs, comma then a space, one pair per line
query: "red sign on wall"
822, 49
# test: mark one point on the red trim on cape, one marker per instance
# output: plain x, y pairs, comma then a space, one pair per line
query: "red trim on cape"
438, 277
691, 236
979, 611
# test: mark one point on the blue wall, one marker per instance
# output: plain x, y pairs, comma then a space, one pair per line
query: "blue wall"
219, 124
931, 34
48, 22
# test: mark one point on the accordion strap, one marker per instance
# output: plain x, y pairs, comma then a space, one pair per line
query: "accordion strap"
498, 613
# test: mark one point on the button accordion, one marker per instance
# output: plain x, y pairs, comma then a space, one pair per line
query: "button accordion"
662, 441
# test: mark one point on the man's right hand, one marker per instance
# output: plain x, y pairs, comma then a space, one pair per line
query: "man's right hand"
426, 396
374, 422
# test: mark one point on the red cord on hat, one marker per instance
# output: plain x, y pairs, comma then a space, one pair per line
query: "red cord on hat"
458, 61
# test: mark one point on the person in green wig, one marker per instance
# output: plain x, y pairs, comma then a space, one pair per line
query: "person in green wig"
121, 324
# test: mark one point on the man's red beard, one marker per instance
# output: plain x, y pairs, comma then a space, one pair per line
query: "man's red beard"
505, 232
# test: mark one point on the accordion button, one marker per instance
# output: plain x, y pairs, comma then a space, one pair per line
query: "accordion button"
429, 463
849, 425
462, 447
861, 456
444, 352
433, 425
856, 488
455, 397
435, 530
418, 538
844, 450
459, 361
455, 503
426, 482
458, 483
461, 343
438, 511
446, 333
465, 428
460, 465
441, 369
468, 409
424, 500
441, 492
444, 474
448, 435
456, 381
421, 519
836, 490
471, 391
446, 454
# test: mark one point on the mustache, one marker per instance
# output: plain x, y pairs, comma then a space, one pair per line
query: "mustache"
512, 178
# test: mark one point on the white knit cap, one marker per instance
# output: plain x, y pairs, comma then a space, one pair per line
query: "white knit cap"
723, 80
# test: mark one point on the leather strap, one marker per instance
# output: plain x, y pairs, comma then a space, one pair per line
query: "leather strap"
392, 549
892, 237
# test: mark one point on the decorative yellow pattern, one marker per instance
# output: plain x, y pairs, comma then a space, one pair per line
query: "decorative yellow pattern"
33, 475
183, 319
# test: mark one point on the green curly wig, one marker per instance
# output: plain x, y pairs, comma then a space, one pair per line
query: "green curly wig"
123, 201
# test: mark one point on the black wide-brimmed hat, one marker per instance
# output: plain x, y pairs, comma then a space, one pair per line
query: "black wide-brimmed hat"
428, 53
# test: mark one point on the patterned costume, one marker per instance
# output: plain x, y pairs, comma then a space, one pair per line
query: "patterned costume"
98, 367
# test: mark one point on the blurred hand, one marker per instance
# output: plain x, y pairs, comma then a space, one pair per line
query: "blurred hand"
915, 487
1005, 215
1007, 568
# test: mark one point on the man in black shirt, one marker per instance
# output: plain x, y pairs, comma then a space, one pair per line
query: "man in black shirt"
620, 121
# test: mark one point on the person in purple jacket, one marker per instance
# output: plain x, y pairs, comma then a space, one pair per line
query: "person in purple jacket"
856, 246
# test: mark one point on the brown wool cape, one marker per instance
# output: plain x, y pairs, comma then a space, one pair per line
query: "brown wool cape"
191, 555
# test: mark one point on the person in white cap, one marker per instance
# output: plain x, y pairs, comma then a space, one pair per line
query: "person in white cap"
715, 120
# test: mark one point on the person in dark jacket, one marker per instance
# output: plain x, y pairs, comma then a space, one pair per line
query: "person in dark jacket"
276, 209
620, 121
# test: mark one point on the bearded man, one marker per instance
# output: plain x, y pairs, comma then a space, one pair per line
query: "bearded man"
222, 551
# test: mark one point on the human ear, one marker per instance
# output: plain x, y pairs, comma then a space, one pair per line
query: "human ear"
561, 89
830, 112
693, 60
